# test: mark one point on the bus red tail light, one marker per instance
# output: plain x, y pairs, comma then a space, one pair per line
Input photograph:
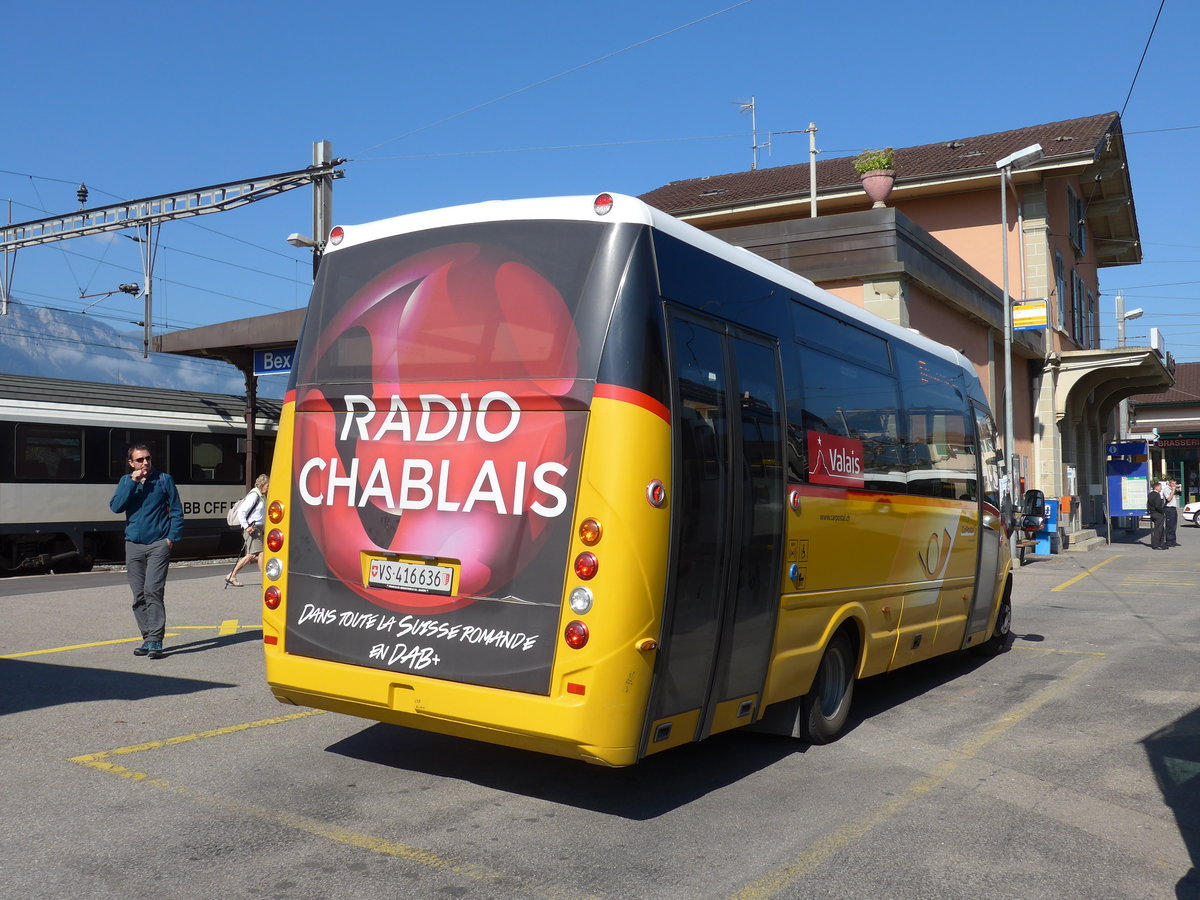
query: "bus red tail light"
272, 597
275, 512
576, 635
603, 204
275, 540
586, 565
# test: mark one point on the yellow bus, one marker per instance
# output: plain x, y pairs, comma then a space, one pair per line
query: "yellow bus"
572, 476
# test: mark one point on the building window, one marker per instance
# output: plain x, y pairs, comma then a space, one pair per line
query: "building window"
1078, 301
1093, 332
1060, 287
1077, 211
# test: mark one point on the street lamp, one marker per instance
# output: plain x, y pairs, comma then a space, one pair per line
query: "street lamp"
1122, 318
1018, 160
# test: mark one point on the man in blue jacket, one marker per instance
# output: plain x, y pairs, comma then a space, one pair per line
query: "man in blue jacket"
153, 524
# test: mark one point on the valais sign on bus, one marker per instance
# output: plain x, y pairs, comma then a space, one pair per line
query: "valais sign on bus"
834, 460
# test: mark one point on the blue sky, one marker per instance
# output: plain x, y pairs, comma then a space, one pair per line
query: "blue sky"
439, 104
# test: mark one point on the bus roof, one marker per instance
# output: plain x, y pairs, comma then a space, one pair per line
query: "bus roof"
627, 209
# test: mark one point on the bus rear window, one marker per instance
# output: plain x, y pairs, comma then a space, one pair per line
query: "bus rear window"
492, 300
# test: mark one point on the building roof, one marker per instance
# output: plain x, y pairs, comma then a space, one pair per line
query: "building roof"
1093, 144
1185, 392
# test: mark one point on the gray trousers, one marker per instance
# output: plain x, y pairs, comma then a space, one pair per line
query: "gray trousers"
146, 565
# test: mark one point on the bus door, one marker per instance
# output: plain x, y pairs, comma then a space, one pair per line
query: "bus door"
727, 521
991, 532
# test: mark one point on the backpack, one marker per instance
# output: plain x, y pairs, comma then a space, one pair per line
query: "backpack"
231, 517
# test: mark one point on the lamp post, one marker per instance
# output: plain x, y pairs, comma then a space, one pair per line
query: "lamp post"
1027, 156
1122, 318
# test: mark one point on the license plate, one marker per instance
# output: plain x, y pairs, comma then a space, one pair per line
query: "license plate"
424, 578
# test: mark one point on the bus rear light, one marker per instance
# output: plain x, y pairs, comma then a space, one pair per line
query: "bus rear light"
272, 597
603, 204
590, 531
794, 500
275, 512
656, 493
576, 635
573, 688
337, 235
586, 565
275, 540
271, 639
581, 601
274, 568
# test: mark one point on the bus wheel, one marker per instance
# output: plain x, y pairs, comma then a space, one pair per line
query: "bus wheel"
823, 710
998, 642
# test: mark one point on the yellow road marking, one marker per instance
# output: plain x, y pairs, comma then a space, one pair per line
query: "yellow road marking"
1059, 650
101, 761
820, 851
77, 647
1083, 575
1151, 581
229, 626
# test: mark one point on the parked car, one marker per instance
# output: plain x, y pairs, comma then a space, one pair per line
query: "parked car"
1191, 512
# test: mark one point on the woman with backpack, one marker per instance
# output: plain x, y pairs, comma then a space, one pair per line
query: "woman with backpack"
252, 515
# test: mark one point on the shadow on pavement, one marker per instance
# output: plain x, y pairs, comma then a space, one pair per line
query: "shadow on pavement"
212, 643
35, 685
656, 785
1174, 753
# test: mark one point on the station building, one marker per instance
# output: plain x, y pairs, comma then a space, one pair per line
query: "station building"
930, 257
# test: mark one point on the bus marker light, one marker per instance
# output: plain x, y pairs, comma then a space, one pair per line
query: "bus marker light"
656, 493
794, 500
573, 688
274, 568
603, 204
275, 512
271, 639
337, 235
580, 600
586, 565
272, 597
275, 540
576, 635
590, 531
647, 644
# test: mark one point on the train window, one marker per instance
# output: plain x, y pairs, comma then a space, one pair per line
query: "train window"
215, 457
119, 441
49, 452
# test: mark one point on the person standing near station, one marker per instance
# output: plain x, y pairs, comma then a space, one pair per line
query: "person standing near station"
1171, 508
153, 525
1156, 506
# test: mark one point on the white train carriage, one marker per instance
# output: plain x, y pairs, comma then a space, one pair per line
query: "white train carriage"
63, 446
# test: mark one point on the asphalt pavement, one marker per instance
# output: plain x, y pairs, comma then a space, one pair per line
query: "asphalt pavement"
1068, 767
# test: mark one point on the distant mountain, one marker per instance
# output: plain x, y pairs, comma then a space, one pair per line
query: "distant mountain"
45, 343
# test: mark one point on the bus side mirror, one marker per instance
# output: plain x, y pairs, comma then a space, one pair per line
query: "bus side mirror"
1032, 524
1035, 504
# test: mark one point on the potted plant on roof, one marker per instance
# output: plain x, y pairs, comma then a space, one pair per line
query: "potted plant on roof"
875, 171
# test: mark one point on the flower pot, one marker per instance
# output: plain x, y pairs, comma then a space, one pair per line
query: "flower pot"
878, 185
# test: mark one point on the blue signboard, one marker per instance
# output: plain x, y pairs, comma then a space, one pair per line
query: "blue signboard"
1128, 485
1127, 448
274, 362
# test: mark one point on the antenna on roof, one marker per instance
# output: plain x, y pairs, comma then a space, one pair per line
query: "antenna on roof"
755, 146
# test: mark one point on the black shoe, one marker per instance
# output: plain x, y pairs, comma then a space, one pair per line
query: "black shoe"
142, 650
154, 649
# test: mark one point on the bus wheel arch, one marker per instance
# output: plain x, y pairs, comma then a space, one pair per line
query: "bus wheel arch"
1001, 637
825, 708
